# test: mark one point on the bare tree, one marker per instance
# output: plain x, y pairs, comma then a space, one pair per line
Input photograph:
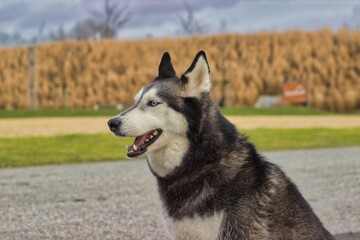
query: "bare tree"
356, 16
111, 19
40, 33
58, 35
222, 26
87, 29
223, 66
354, 21
190, 25
10, 38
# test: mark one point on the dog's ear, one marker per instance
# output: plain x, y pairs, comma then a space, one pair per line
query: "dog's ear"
166, 69
196, 79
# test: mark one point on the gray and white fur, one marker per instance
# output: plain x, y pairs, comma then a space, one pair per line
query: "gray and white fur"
212, 182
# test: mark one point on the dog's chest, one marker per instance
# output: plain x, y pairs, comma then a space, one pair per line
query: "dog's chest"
196, 227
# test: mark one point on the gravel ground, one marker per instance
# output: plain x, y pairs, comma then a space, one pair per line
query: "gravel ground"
69, 125
118, 200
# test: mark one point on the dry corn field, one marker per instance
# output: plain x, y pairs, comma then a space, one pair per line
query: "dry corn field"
80, 74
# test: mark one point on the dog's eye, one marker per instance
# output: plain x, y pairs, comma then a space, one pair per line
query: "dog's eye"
152, 103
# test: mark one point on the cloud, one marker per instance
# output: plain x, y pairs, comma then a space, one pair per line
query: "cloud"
160, 17
26, 17
52, 15
252, 16
175, 6
13, 11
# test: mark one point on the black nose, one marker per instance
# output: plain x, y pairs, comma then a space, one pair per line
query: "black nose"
113, 124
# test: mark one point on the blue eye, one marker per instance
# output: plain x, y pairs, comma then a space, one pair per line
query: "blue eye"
153, 103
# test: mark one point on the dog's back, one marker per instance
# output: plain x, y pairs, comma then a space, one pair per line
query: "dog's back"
228, 200
271, 207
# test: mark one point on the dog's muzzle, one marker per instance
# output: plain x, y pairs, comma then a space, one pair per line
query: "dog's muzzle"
114, 124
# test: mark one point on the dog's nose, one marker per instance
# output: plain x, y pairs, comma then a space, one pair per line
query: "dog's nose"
113, 124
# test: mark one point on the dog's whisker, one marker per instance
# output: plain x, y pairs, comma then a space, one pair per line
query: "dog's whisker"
130, 128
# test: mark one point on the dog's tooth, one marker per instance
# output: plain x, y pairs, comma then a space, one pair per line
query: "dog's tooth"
146, 140
151, 136
135, 147
155, 133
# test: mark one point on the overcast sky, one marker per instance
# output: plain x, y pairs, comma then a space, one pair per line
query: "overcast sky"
160, 18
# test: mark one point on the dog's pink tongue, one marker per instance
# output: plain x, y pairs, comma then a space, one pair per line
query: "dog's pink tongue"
140, 140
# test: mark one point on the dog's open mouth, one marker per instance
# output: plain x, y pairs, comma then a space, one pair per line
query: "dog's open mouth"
142, 142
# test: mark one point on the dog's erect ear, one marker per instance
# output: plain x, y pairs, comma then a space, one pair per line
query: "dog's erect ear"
196, 79
166, 69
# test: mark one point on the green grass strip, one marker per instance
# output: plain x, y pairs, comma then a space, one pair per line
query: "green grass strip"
268, 139
28, 151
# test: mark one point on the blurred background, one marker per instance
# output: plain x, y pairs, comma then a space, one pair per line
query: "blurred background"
94, 53
286, 73
292, 62
67, 66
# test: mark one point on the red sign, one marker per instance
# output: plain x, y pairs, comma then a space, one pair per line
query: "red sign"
295, 92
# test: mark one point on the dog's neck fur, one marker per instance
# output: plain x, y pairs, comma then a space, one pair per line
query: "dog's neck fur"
208, 132
164, 160
208, 163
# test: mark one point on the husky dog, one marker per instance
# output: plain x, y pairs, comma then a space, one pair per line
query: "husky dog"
212, 182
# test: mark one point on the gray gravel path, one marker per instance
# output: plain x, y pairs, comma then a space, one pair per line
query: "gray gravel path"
118, 200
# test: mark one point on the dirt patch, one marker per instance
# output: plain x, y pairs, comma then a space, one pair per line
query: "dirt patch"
73, 125
247, 122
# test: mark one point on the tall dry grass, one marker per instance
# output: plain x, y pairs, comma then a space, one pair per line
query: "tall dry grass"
82, 74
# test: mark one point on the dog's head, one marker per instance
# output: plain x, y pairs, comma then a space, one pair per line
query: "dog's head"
159, 114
